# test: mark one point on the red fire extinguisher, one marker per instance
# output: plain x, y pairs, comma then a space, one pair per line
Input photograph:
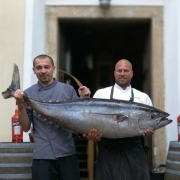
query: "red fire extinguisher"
17, 132
178, 123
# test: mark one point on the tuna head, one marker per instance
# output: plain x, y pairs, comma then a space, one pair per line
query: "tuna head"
157, 120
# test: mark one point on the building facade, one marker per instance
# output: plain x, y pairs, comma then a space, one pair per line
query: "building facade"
30, 27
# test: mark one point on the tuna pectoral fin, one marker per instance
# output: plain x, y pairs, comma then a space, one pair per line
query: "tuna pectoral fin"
120, 118
15, 84
77, 81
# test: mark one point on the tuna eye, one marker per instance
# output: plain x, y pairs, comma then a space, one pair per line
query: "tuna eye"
154, 115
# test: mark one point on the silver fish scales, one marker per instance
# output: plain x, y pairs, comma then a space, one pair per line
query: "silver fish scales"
112, 118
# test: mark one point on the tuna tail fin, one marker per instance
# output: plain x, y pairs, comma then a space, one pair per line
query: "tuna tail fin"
15, 84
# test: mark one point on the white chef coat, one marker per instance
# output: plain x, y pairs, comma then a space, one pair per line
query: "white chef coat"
121, 94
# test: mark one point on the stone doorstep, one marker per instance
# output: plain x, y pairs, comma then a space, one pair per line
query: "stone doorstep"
16, 176
15, 168
16, 154
13, 158
16, 145
10, 165
16, 150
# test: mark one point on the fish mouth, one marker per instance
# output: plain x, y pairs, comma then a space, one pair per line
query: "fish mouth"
162, 119
164, 122
165, 119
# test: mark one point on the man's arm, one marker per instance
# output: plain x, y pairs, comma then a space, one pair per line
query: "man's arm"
23, 117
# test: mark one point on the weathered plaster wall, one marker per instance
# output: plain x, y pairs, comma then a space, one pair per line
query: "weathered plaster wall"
12, 14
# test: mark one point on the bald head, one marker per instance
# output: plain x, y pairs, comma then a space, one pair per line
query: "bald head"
123, 73
124, 61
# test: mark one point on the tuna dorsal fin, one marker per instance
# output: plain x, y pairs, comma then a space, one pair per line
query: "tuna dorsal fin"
77, 81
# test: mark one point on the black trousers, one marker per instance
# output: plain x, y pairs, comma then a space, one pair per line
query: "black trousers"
64, 168
124, 162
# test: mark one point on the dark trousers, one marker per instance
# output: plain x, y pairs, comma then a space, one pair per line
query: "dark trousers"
64, 168
124, 162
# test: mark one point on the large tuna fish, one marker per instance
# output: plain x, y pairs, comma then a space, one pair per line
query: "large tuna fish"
112, 118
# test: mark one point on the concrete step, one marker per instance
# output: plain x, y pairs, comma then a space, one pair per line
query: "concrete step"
16, 147
15, 168
16, 161
16, 176
16, 157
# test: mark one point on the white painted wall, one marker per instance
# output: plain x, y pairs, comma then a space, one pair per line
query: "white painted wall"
34, 43
12, 15
172, 65
34, 38
112, 2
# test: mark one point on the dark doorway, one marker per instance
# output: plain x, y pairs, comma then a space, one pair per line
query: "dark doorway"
89, 49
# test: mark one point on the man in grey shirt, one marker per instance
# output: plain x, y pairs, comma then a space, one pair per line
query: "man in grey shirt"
54, 153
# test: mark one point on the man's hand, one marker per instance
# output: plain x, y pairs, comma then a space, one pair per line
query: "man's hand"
18, 95
148, 132
92, 135
84, 91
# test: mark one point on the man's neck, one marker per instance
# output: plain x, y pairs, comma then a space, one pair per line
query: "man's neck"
46, 84
124, 87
